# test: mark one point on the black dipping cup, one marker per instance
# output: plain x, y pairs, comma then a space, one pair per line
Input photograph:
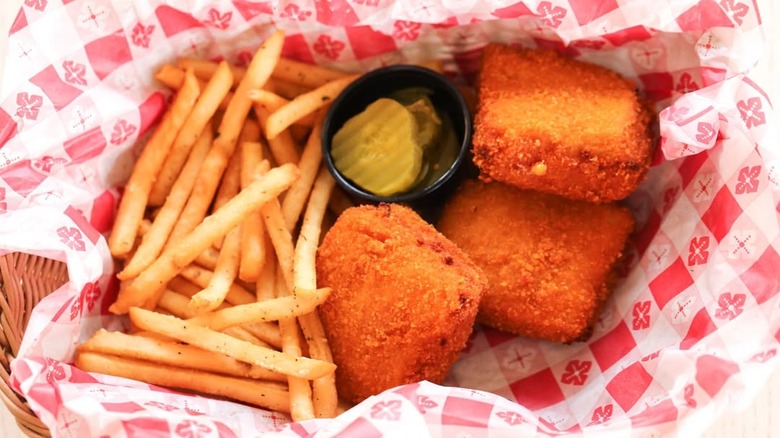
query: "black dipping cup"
446, 98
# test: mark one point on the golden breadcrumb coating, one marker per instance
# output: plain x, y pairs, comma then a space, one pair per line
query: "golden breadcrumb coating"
560, 126
403, 303
549, 260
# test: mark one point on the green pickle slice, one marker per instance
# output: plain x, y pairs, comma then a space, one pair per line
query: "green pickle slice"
379, 149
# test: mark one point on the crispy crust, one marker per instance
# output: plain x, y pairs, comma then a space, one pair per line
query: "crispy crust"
549, 260
584, 122
403, 303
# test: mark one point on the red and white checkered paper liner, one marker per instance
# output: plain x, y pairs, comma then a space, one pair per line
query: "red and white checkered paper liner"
693, 327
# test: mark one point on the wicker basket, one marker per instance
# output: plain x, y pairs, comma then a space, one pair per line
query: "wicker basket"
24, 280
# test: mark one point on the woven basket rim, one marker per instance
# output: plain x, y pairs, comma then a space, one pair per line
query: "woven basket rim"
24, 280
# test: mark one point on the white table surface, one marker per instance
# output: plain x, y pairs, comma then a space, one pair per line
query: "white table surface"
762, 418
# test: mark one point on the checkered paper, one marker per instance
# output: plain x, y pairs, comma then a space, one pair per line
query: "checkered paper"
692, 329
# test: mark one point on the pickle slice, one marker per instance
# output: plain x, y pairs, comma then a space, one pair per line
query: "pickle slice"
379, 149
428, 121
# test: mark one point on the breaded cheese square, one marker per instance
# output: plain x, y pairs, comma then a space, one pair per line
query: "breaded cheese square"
549, 261
560, 126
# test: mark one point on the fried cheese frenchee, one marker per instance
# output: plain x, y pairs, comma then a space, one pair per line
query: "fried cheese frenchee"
403, 299
549, 260
553, 124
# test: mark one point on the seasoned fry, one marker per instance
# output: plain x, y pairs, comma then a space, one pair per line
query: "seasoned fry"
255, 392
218, 224
137, 191
266, 286
201, 114
154, 239
201, 277
295, 199
225, 272
307, 75
272, 102
252, 229
282, 146
258, 72
231, 182
289, 90
218, 342
303, 105
281, 239
171, 76
178, 305
301, 404
268, 310
172, 353
208, 258
305, 278
204, 69
267, 332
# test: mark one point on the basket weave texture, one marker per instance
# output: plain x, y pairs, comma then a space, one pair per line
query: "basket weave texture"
24, 280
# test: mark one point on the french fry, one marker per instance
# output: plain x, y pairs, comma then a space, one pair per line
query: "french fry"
170, 76
204, 69
289, 90
201, 277
263, 331
228, 187
258, 72
282, 146
295, 199
303, 105
155, 238
252, 229
225, 272
307, 75
172, 260
301, 404
211, 340
305, 277
177, 305
267, 332
265, 288
174, 354
208, 258
173, 77
255, 392
262, 311
272, 102
202, 112
280, 238
137, 191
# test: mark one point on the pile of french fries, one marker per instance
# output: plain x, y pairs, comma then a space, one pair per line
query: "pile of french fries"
220, 294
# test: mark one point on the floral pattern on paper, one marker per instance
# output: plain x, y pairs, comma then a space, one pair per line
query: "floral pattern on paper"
729, 305
698, 250
192, 429
218, 19
72, 238
75, 72
550, 15
747, 181
142, 35
329, 47
122, 131
387, 410
576, 372
29, 105
751, 112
